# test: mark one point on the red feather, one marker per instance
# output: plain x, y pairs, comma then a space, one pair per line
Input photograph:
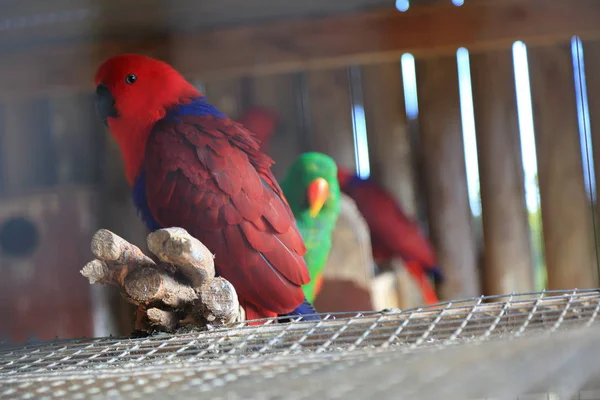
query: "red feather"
393, 234
206, 175
261, 122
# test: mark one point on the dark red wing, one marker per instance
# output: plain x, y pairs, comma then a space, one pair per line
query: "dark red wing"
206, 175
392, 232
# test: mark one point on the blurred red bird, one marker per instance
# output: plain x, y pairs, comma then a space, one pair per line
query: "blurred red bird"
262, 122
393, 234
192, 167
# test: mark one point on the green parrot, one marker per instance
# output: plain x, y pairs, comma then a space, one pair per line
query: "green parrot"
311, 187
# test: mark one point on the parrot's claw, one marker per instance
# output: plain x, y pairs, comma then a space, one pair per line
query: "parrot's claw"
179, 291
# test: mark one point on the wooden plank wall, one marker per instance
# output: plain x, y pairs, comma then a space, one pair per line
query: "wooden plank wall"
504, 262
507, 242
51, 166
566, 211
445, 175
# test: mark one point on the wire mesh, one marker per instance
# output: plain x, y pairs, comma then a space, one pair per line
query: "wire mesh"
388, 352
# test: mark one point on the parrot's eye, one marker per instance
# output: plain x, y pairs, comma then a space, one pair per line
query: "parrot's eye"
131, 78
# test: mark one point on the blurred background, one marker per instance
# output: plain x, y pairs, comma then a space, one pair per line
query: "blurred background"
480, 119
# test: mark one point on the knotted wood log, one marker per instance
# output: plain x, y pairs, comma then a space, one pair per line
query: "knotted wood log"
176, 246
181, 289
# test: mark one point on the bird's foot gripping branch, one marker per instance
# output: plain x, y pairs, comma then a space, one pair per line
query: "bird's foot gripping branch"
179, 290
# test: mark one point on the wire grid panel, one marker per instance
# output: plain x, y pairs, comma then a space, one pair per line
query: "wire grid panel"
239, 353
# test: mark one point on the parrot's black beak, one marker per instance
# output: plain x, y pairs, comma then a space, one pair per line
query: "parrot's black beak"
105, 103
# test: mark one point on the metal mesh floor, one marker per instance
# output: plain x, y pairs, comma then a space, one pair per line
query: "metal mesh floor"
391, 354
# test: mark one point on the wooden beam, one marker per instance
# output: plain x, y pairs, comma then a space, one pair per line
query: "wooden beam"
445, 176
566, 210
40, 73
313, 43
507, 264
70, 19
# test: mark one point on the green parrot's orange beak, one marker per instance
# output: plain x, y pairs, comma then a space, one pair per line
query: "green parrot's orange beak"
317, 192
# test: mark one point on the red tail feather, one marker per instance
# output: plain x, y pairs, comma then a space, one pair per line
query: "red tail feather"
252, 312
420, 276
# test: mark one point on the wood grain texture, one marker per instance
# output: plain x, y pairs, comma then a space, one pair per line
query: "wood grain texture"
508, 263
566, 210
450, 217
296, 44
329, 105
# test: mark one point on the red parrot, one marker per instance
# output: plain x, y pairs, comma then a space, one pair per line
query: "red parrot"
190, 166
393, 234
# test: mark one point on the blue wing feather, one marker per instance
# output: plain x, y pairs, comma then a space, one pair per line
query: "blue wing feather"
306, 310
197, 107
141, 203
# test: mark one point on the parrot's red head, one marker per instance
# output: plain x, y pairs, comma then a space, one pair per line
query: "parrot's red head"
133, 92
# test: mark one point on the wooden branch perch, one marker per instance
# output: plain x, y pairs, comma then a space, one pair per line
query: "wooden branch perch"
98, 271
162, 318
180, 290
149, 285
109, 247
218, 301
176, 246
